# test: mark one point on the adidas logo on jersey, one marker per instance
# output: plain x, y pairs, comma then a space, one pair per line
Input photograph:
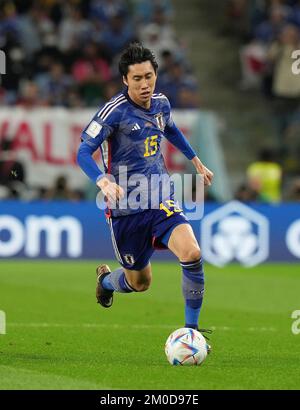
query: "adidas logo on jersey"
136, 127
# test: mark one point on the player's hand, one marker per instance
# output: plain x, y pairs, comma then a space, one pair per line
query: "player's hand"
203, 170
111, 190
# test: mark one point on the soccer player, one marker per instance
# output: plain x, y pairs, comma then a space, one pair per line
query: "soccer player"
128, 130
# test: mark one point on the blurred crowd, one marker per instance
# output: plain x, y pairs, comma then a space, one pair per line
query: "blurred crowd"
269, 33
65, 53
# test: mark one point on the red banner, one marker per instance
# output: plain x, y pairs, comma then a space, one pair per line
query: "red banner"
46, 142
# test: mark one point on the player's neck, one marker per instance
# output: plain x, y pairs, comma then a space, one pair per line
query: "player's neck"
146, 105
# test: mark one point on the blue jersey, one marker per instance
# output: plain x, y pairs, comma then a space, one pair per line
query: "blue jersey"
129, 137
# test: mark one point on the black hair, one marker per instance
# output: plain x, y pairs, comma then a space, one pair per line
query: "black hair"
135, 53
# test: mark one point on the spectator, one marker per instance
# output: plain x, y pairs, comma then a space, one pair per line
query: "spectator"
269, 30
111, 88
145, 9
265, 176
15, 58
105, 10
74, 30
60, 191
254, 55
91, 72
167, 61
286, 85
35, 28
290, 159
253, 58
174, 81
245, 193
30, 95
187, 99
117, 35
237, 18
295, 15
74, 99
92, 66
294, 194
54, 85
12, 173
158, 40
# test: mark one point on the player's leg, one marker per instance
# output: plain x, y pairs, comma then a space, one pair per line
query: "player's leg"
108, 282
183, 244
132, 246
121, 280
139, 280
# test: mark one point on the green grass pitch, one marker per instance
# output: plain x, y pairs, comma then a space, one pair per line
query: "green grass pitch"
57, 337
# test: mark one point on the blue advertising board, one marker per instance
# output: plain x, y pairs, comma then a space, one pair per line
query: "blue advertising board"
230, 232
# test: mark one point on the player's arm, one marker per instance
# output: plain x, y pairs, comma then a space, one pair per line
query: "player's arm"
176, 137
91, 139
203, 170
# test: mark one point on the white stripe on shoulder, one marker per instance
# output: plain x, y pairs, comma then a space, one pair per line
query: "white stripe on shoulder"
112, 108
109, 104
159, 96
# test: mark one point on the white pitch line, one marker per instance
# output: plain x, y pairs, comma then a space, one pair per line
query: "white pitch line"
145, 326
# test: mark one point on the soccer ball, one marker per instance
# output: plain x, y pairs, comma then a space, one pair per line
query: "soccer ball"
186, 347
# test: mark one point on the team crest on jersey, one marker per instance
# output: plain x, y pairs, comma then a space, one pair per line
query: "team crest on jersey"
129, 259
160, 121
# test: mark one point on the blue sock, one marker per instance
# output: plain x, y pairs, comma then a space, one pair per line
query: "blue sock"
192, 289
116, 281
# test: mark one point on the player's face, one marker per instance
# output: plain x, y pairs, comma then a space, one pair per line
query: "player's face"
140, 80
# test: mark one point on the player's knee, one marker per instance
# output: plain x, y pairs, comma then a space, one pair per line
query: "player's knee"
191, 254
142, 287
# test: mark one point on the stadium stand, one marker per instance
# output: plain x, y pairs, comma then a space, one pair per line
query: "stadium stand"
269, 38
242, 57
65, 53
